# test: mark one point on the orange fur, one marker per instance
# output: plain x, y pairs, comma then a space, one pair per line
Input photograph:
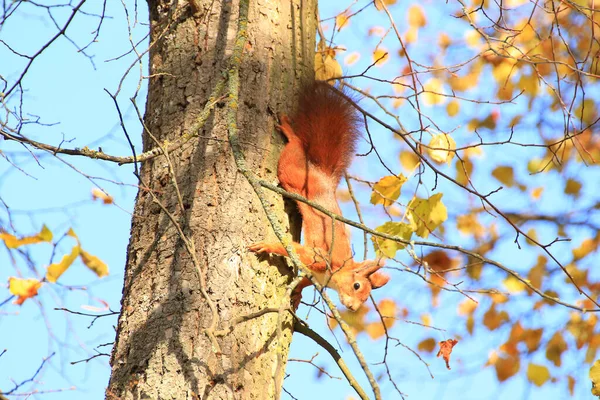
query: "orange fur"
319, 149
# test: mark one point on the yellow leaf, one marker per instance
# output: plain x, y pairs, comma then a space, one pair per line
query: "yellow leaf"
375, 330
12, 242
57, 269
470, 324
352, 58
467, 307
387, 247
505, 175
464, 170
473, 38
409, 160
387, 309
411, 36
444, 40
94, 263
529, 84
502, 72
595, 378
531, 233
433, 92
379, 6
416, 16
441, 148
326, 67
426, 319
427, 345
380, 56
469, 225
100, 194
537, 374
537, 193
387, 190
586, 247
376, 31
572, 187
453, 108
587, 111
23, 288
513, 285
342, 21
427, 214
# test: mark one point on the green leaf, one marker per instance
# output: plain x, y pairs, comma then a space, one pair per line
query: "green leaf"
386, 247
387, 190
427, 214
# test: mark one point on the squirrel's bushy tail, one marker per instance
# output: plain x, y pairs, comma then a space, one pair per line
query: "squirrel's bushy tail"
327, 124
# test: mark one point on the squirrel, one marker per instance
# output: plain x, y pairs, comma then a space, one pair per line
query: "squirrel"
319, 150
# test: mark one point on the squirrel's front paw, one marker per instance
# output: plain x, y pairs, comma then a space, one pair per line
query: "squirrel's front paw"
285, 124
260, 247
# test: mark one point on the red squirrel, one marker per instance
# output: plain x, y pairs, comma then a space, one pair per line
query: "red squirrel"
319, 149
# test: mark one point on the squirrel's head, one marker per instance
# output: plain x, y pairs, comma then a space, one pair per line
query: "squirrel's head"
354, 283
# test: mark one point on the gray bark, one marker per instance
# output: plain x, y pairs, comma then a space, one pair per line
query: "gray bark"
161, 351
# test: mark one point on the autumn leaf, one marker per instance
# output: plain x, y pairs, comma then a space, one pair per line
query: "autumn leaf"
342, 21
452, 108
12, 242
433, 92
586, 247
554, 349
537, 374
355, 320
507, 367
514, 285
467, 307
379, 3
438, 260
94, 263
352, 58
416, 16
595, 378
100, 194
23, 288
387, 190
57, 269
386, 247
388, 308
326, 67
492, 319
409, 160
446, 347
505, 175
464, 171
427, 345
380, 56
441, 148
427, 214
572, 187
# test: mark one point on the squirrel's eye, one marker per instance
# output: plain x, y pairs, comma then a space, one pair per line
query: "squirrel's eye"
356, 285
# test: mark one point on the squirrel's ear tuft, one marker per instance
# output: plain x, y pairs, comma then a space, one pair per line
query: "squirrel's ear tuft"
378, 279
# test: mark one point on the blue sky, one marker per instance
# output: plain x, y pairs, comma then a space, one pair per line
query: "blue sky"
65, 89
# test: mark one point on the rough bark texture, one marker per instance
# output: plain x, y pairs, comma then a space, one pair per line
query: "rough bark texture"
161, 351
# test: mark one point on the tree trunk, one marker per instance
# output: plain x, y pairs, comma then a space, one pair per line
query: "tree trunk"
161, 350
